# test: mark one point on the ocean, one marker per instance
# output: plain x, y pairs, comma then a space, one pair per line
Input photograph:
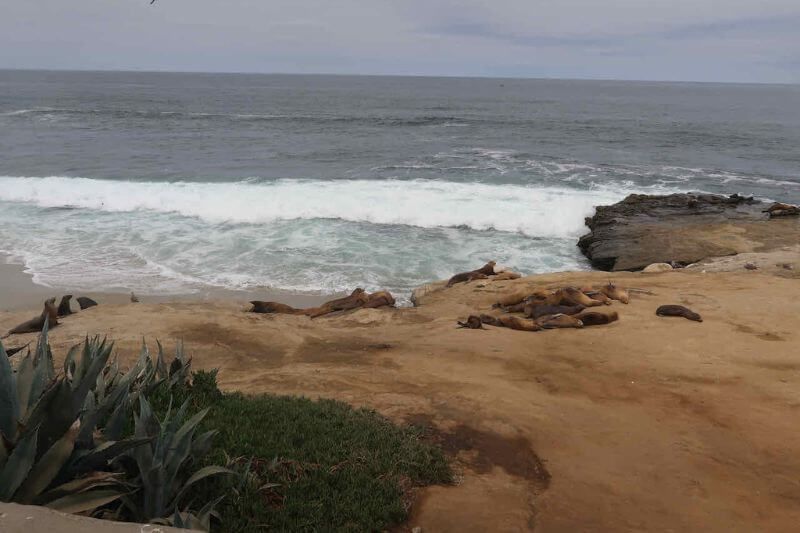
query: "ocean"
178, 183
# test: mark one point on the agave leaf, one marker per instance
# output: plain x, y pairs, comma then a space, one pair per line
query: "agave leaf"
18, 465
203, 473
9, 406
24, 384
161, 365
115, 424
85, 501
69, 362
203, 516
201, 445
57, 418
90, 481
88, 417
48, 466
100, 456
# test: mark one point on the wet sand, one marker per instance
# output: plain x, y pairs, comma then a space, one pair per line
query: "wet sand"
647, 424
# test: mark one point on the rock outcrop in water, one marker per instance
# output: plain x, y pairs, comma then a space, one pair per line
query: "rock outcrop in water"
682, 228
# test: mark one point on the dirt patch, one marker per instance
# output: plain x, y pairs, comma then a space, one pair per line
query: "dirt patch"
212, 334
350, 351
486, 450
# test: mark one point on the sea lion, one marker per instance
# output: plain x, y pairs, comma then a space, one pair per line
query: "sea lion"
134, 298
779, 209
678, 310
275, 307
537, 311
572, 296
558, 321
597, 295
525, 296
482, 273
35, 325
473, 322
379, 299
615, 293
85, 302
357, 298
595, 318
63, 306
511, 322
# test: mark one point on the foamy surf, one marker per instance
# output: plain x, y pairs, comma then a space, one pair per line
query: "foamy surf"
549, 212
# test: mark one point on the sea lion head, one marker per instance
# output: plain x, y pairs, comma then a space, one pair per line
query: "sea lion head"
616, 293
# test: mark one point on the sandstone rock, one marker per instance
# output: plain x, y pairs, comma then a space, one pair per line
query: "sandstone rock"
658, 267
684, 228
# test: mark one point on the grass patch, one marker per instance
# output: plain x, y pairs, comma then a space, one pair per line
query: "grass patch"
313, 465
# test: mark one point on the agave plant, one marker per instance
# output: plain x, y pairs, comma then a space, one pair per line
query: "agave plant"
161, 466
46, 430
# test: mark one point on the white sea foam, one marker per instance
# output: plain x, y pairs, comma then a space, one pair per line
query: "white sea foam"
536, 212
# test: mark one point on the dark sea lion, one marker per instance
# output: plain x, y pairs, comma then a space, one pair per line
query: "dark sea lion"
595, 318
678, 310
558, 321
511, 322
274, 307
572, 296
63, 307
615, 293
35, 325
487, 269
379, 299
473, 322
536, 311
85, 302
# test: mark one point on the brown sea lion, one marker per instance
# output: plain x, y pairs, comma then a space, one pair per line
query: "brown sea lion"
511, 322
36, 324
597, 295
473, 322
678, 310
536, 311
379, 299
572, 296
482, 273
595, 318
357, 298
63, 306
85, 302
558, 321
615, 293
779, 209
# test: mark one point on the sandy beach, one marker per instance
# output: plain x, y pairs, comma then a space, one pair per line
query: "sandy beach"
650, 423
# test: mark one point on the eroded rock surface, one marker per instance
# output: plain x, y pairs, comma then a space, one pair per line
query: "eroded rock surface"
682, 229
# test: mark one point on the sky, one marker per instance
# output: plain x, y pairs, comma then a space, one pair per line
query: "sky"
678, 40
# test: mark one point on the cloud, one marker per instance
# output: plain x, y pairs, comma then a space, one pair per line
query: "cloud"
729, 40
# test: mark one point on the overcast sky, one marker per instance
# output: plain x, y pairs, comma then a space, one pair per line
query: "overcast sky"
693, 40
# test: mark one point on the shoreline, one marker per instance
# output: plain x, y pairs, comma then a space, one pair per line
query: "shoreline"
18, 292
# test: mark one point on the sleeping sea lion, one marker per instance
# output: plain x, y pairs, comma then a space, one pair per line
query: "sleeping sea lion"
779, 209
558, 321
473, 322
511, 322
63, 306
85, 302
615, 293
572, 296
536, 311
357, 298
597, 295
275, 307
379, 299
36, 325
595, 318
678, 310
